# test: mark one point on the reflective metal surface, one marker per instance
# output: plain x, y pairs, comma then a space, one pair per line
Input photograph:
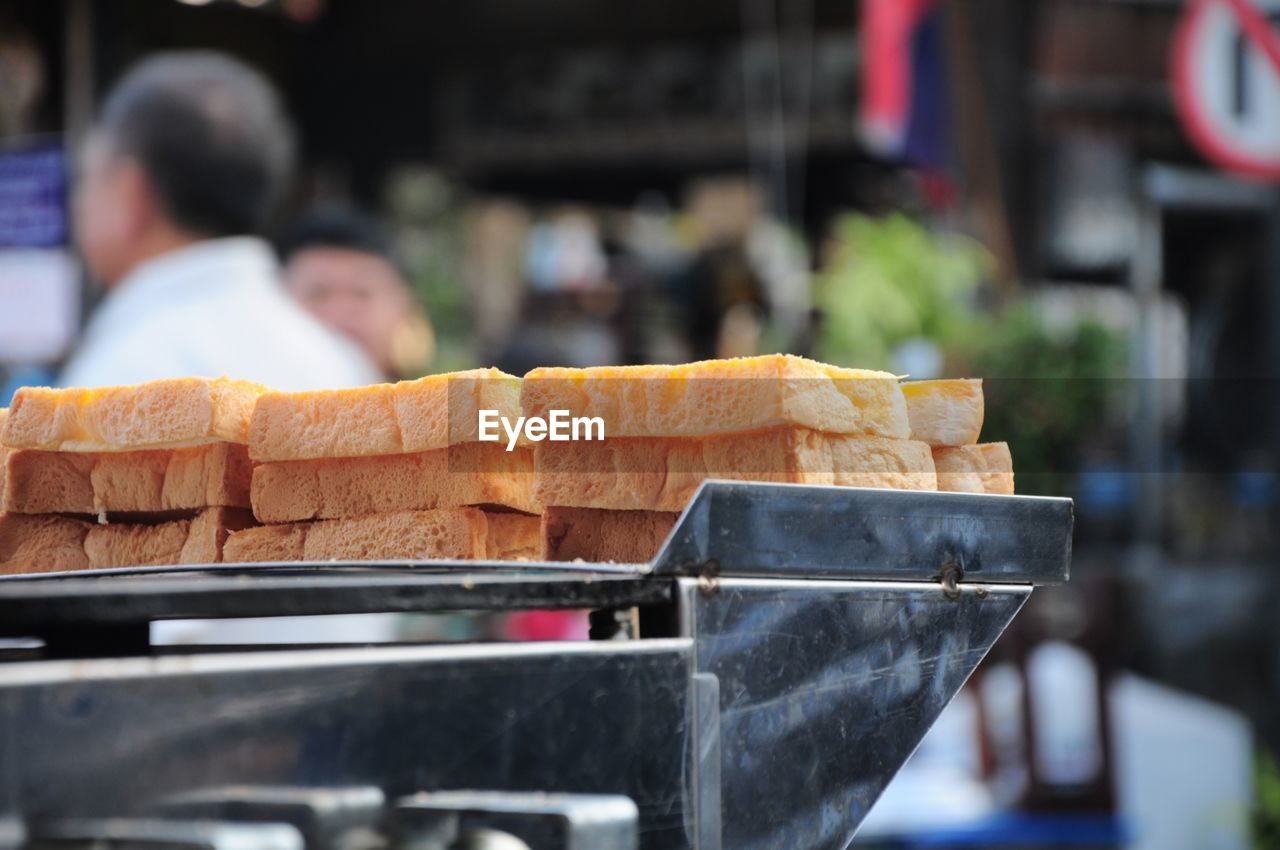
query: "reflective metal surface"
130, 834
326, 818
38, 608
542, 821
787, 530
111, 738
756, 687
826, 688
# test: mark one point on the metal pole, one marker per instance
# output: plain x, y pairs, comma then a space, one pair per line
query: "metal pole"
1146, 282
78, 62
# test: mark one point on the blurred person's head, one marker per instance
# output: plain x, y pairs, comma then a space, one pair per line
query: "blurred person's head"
343, 268
188, 146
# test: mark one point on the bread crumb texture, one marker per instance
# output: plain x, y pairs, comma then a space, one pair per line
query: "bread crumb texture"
662, 474
384, 419
444, 534
984, 468
48, 543
148, 481
457, 476
596, 535
945, 412
169, 413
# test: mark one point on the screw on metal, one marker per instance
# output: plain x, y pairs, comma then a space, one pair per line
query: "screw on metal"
709, 567
950, 577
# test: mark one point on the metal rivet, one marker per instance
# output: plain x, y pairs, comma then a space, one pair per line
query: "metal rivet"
950, 578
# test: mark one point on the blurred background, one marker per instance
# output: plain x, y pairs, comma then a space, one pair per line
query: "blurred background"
1074, 199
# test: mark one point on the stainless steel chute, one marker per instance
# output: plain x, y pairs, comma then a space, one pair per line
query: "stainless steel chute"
794, 644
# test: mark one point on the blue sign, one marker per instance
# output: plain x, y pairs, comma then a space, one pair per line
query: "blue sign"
33, 196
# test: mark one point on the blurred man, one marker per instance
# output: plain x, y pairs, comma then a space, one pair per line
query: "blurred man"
343, 269
190, 154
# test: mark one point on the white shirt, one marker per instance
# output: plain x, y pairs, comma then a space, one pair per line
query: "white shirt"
213, 308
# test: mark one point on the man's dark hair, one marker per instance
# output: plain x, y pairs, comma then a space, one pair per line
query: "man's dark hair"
211, 135
337, 227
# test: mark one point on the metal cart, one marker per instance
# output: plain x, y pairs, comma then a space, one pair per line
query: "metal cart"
755, 686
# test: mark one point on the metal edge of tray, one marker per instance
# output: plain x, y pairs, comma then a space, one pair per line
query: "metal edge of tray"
749, 529
85, 601
356, 569
799, 531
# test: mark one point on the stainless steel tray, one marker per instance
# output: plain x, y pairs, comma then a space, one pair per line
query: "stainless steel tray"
795, 643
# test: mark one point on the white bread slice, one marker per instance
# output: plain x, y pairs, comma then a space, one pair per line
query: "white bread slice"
597, 535
153, 481
169, 413
447, 533
945, 412
47, 543
266, 544
457, 476
998, 477
4, 452
661, 473
722, 396
410, 416
42, 544
511, 536
984, 468
198, 540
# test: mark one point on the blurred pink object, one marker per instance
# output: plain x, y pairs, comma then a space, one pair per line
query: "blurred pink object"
547, 625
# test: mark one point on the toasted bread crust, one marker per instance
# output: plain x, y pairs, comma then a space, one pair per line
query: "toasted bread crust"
169, 413
722, 396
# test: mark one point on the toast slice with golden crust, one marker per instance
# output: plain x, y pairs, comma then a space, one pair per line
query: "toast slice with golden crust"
168, 413
715, 397
429, 413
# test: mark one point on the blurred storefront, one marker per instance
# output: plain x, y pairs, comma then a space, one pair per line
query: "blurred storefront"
576, 182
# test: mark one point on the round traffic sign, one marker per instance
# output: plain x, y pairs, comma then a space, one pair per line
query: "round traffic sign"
1226, 82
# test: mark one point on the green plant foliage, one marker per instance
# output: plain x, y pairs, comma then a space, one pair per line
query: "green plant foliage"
1049, 391
1266, 812
1049, 394
437, 285
889, 280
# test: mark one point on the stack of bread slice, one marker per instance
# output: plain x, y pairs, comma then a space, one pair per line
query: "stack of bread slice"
194, 470
777, 418
947, 414
389, 472
153, 474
